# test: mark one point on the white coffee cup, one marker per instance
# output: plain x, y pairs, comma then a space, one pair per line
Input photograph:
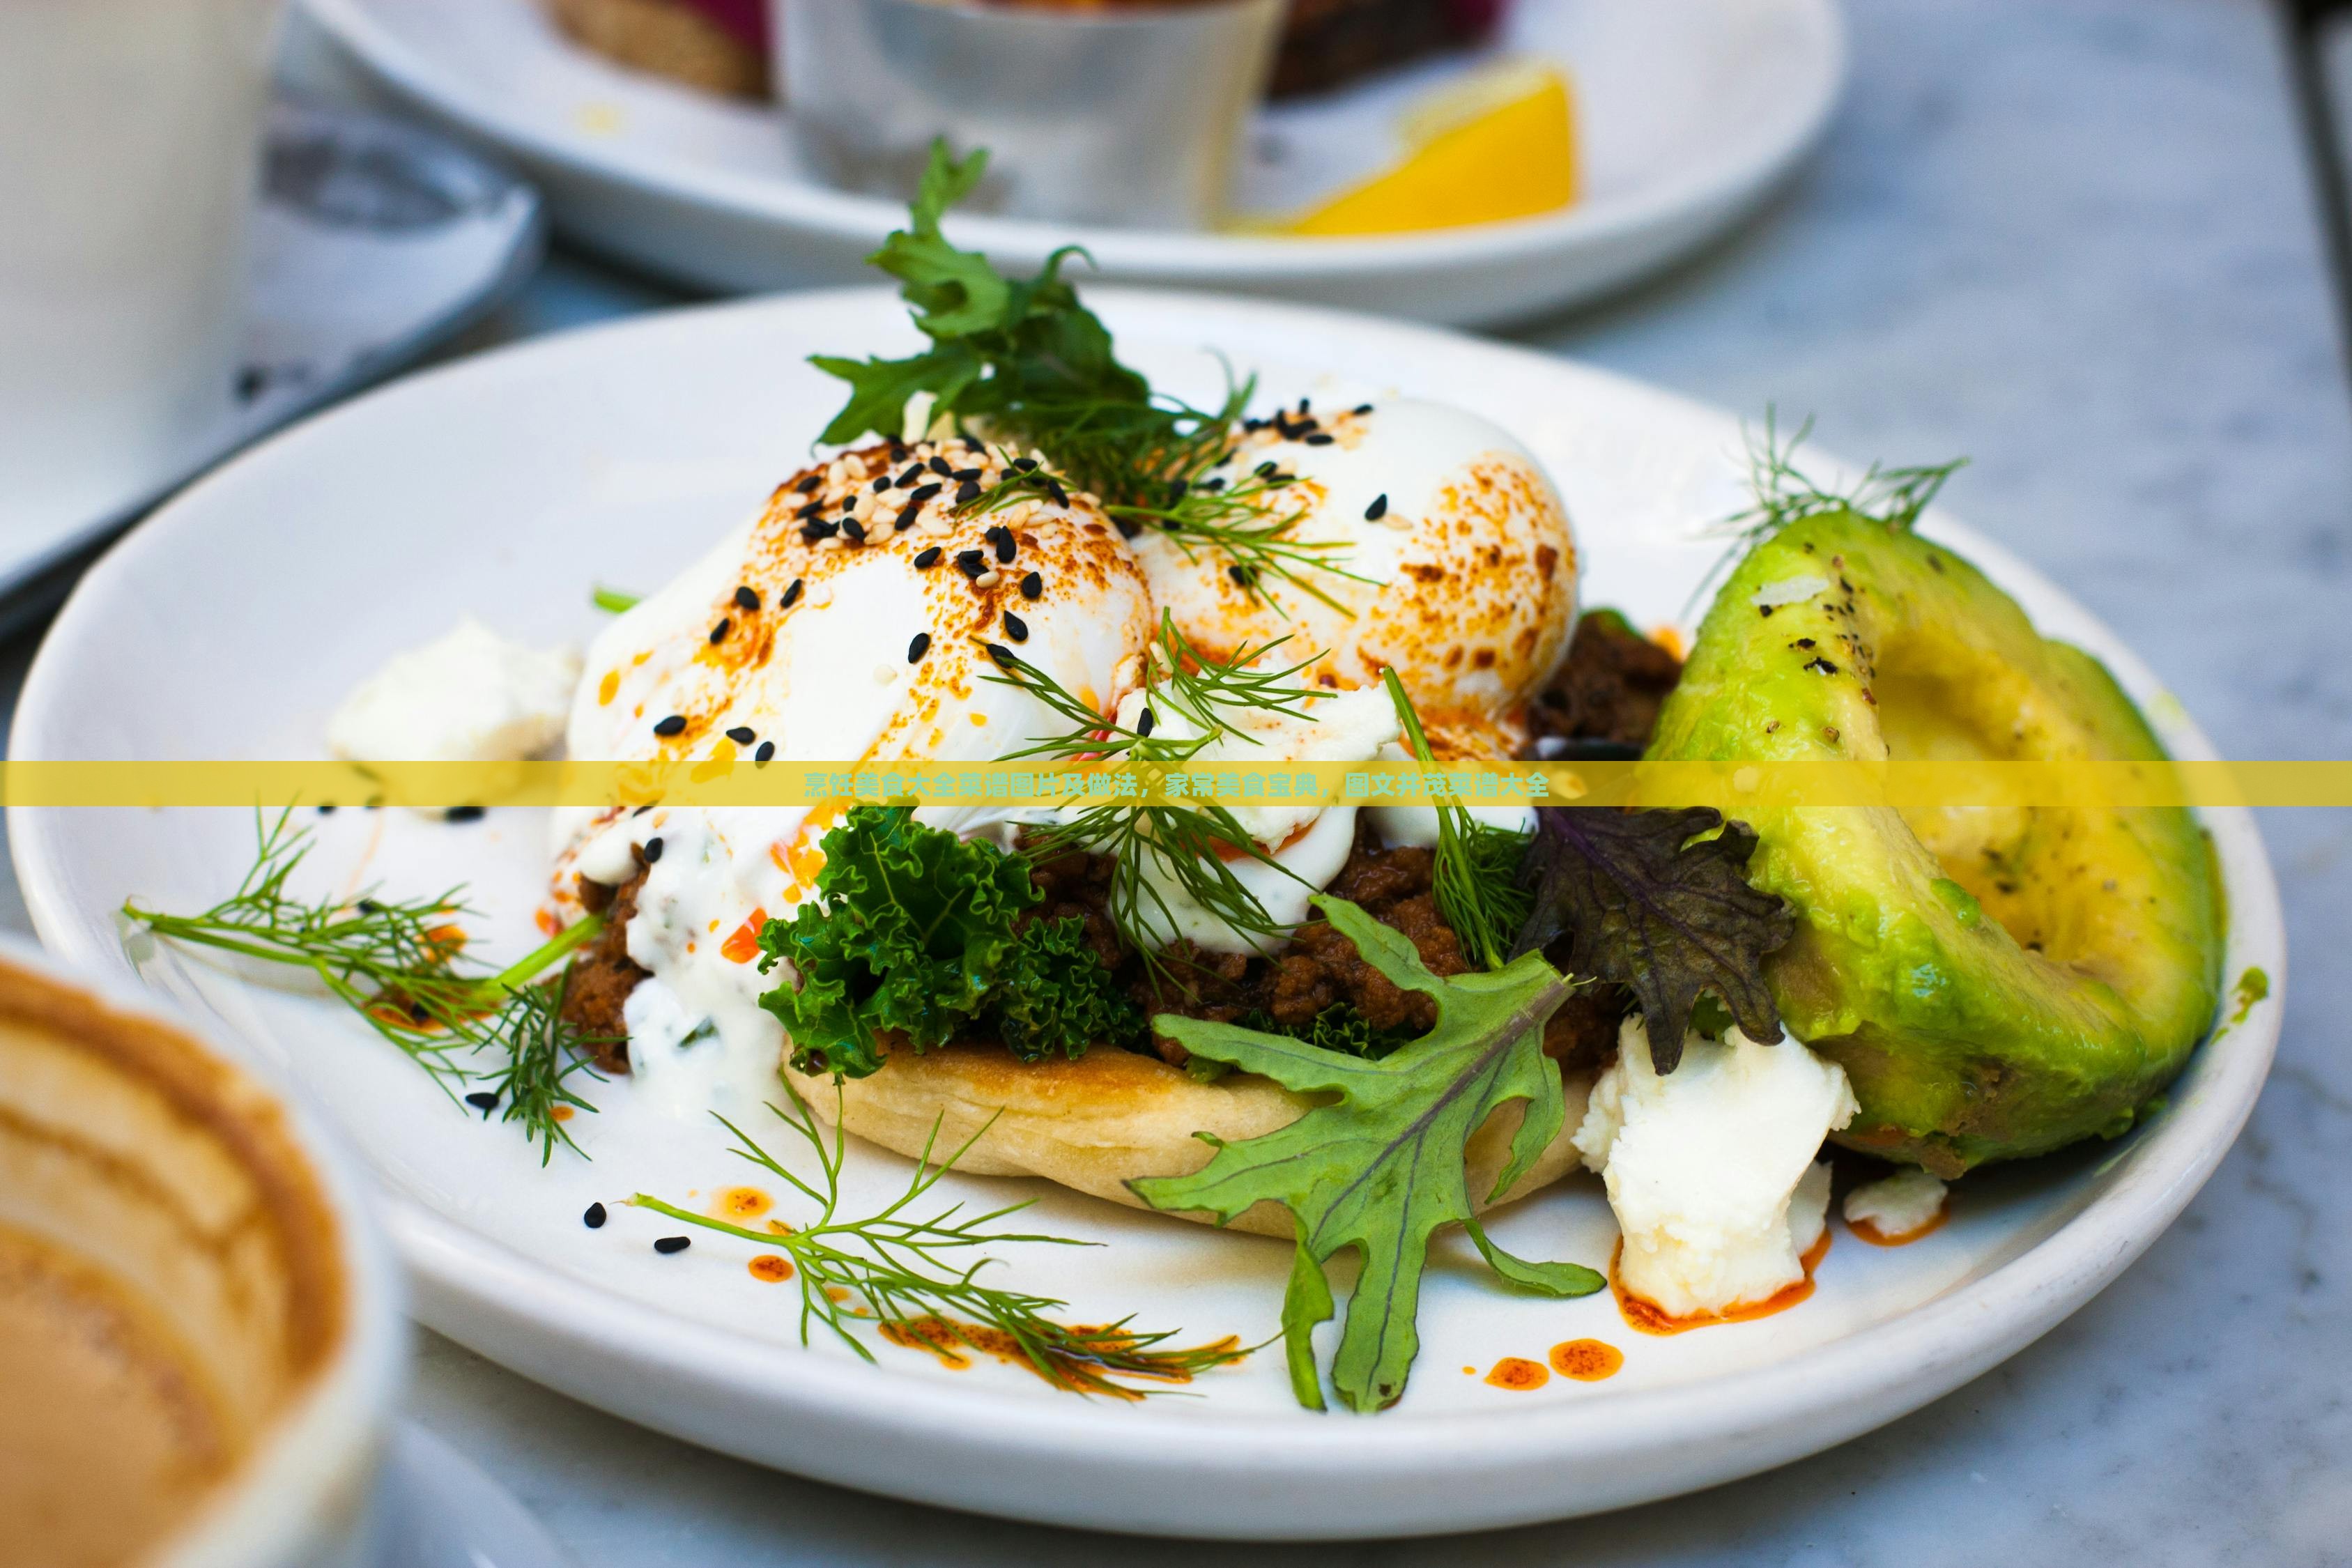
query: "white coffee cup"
130, 135
201, 1333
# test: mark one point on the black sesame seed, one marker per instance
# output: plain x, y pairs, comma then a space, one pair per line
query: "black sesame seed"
814, 532
1240, 574
814, 508
967, 492
918, 648
1003, 656
928, 559
643, 809
653, 849
670, 1244
1055, 493
326, 808
1006, 545
855, 529
482, 1100
1363, 408
1032, 586
898, 450
672, 725
417, 1012
907, 480
1144, 725
464, 814
1176, 490
1024, 465
1128, 527
808, 483
1265, 470
940, 466
1305, 404
595, 1218
719, 633
926, 494
1253, 426
792, 596
742, 734
1212, 485
966, 475
971, 563
767, 749
883, 482
1379, 508
1319, 441
1015, 627
906, 519
745, 599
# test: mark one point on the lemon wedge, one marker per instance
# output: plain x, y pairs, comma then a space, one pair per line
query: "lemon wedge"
1501, 146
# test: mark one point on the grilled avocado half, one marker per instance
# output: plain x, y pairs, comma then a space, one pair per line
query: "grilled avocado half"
1996, 981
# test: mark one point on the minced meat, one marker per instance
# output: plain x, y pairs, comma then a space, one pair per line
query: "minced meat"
603, 974
1610, 689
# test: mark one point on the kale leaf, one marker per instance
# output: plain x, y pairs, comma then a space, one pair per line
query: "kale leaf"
1381, 1166
1053, 994
909, 929
1649, 899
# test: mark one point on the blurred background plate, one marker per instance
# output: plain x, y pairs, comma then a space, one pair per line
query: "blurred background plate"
1689, 113
374, 240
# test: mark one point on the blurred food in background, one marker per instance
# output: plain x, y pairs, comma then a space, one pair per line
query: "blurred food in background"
719, 45
1377, 117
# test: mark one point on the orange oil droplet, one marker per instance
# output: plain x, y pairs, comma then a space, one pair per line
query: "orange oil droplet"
772, 1267
1651, 1319
562, 1113
1519, 1375
742, 945
608, 688
545, 921
1587, 1361
743, 1203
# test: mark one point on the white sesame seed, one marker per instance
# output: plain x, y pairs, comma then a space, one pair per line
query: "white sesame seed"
884, 673
986, 580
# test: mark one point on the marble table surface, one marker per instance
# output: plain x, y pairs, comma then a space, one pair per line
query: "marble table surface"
2075, 241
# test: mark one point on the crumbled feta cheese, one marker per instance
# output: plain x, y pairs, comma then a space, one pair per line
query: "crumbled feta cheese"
1898, 1205
1710, 1169
472, 697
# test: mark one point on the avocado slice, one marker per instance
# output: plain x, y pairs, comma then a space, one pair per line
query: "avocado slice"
1996, 981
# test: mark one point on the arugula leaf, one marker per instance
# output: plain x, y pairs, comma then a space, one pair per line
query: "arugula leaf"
1380, 1167
908, 930
1053, 994
1649, 899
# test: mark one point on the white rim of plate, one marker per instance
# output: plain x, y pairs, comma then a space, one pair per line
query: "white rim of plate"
1877, 1374
1170, 255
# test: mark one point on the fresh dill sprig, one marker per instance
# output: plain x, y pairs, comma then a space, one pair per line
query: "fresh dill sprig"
1192, 847
394, 963
1242, 523
1784, 493
1477, 864
907, 1274
613, 601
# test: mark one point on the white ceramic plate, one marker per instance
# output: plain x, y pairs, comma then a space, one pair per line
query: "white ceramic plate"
1690, 112
229, 624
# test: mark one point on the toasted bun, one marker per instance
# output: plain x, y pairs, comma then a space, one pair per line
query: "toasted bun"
1111, 1116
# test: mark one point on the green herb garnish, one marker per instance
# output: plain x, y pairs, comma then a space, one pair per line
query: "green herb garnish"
613, 602
908, 1273
913, 934
1475, 870
1380, 1167
1189, 848
1025, 362
394, 963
